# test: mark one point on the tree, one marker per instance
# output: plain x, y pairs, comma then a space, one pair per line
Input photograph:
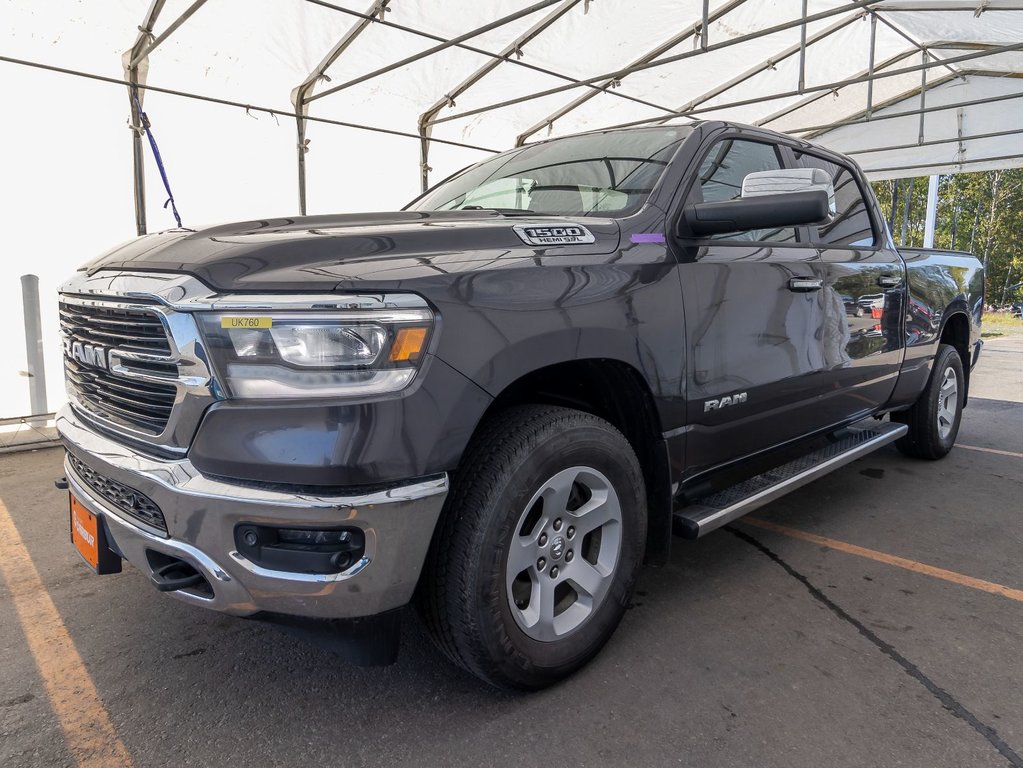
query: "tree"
977, 212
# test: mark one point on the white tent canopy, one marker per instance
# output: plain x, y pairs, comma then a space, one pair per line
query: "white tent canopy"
383, 95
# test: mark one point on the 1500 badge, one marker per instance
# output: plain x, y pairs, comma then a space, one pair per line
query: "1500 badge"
568, 234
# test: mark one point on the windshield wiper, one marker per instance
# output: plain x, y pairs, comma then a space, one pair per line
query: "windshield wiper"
502, 211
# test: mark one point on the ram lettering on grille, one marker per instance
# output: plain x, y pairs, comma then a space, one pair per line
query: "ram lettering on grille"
86, 354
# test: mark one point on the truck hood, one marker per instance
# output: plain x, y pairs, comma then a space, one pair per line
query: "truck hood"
350, 251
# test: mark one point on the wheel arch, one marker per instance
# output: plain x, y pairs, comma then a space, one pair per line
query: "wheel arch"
955, 331
617, 392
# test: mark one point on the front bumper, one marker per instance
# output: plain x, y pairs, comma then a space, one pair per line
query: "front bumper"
201, 514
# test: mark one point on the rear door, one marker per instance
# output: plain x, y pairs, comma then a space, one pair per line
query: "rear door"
754, 317
863, 296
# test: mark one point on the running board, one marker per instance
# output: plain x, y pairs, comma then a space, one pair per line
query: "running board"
716, 510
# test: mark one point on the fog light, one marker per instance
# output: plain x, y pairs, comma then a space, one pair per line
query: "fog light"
312, 538
300, 550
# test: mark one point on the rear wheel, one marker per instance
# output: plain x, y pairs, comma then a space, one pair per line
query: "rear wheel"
935, 417
531, 568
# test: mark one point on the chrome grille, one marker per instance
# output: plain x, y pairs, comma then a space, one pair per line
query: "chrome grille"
122, 401
115, 328
127, 500
130, 394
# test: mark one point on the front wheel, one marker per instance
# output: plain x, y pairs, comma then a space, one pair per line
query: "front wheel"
934, 418
531, 568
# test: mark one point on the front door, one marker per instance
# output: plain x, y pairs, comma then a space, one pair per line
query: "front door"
755, 320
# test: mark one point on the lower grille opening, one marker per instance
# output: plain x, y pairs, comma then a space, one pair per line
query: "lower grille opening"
127, 500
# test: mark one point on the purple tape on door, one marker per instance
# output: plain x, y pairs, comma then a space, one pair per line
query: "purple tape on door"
647, 237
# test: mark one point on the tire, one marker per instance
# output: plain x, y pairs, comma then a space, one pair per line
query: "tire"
508, 506
934, 418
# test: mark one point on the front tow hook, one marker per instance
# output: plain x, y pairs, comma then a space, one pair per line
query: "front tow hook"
177, 575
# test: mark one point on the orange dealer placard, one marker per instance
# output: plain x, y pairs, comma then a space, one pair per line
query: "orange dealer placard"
88, 537
85, 532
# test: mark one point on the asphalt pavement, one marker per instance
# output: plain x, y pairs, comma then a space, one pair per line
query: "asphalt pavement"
872, 618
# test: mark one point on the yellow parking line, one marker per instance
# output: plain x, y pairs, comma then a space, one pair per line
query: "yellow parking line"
991, 450
884, 557
89, 734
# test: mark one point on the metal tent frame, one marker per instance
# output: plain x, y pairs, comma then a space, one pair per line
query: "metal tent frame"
957, 60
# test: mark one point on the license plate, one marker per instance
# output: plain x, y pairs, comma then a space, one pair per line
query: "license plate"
89, 537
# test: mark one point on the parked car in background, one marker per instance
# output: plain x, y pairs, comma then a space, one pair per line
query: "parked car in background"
852, 307
871, 301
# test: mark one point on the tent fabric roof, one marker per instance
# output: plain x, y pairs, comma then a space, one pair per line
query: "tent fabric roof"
493, 74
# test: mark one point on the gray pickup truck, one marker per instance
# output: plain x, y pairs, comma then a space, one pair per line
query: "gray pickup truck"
498, 402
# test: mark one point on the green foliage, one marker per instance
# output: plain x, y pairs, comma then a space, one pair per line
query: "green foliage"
977, 212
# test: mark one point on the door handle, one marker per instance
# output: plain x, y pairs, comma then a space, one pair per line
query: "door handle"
804, 284
889, 281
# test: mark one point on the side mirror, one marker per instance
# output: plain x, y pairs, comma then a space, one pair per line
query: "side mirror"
761, 212
788, 181
770, 200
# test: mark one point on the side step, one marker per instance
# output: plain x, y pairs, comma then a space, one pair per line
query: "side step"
716, 510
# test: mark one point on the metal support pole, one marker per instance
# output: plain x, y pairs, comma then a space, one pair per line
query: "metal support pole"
514, 48
138, 164
954, 235
300, 94
932, 211
705, 22
34, 344
961, 153
870, 64
910, 40
923, 96
140, 55
136, 68
802, 49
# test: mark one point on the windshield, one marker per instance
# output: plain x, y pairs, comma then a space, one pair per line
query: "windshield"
599, 174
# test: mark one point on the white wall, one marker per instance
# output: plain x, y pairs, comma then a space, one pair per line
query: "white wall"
66, 186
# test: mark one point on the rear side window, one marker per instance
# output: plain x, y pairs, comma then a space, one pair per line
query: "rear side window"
721, 175
851, 225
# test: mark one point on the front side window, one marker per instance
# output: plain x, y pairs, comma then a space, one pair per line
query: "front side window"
850, 226
599, 174
721, 175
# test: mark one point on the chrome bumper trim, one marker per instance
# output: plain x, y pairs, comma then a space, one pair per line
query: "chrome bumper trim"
202, 513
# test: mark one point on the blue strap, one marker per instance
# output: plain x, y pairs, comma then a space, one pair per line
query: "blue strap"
144, 120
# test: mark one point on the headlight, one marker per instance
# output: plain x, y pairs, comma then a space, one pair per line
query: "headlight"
297, 354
